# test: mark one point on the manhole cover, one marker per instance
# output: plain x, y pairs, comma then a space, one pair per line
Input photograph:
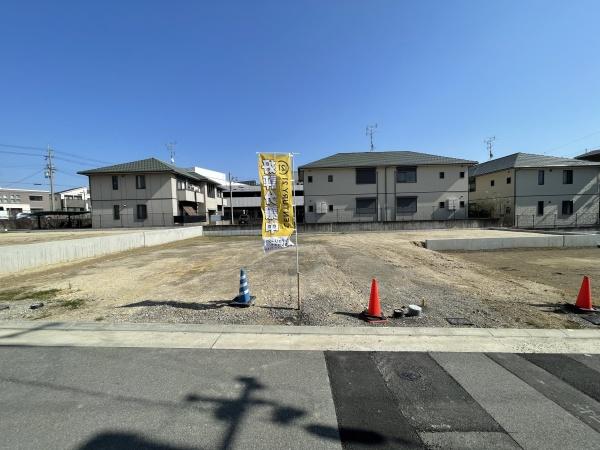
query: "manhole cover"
458, 321
593, 318
410, 375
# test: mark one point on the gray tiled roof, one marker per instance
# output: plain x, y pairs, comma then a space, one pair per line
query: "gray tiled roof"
523, 160
145, 166
399, 158
588, 154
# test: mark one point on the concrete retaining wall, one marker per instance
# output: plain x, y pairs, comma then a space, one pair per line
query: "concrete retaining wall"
349, 227
15, 258
548, 241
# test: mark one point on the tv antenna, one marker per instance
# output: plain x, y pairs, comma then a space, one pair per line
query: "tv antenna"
489, 144
171, 148
370, 132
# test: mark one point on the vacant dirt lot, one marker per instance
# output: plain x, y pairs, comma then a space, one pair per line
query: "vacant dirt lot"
192, 281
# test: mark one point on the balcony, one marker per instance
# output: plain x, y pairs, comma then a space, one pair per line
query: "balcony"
188, 195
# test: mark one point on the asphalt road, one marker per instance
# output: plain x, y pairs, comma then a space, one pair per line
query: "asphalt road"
141, 398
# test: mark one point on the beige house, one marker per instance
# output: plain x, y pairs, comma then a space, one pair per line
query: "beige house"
153, 193
526, 190
385, 186
15, 201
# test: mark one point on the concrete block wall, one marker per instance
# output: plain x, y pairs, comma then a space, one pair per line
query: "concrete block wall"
15, 258
547, 241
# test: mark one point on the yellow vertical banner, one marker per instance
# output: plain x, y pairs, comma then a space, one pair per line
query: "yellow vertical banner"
277, 203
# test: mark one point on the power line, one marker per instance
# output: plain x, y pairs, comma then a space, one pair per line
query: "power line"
25, 178
73, 155
24, 147
20, 153
574, 140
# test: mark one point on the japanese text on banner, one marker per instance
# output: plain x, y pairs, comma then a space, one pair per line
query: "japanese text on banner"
277, 206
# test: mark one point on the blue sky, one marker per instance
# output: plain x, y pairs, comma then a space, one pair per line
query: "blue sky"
115, 81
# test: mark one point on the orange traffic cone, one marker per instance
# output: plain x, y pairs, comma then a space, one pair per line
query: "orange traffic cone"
373, 314
584, 299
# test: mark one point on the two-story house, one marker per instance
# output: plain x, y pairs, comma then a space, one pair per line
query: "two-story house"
385, 186
527, 190
151, 192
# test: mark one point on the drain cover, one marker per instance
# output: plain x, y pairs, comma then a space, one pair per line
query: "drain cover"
594, 318
458, 321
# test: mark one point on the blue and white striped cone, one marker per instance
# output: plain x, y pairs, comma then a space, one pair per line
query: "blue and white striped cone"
244, 298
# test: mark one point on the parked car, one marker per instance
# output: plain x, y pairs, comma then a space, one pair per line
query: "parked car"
23, 215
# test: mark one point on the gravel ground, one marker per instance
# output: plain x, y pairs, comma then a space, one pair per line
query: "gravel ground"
191, 282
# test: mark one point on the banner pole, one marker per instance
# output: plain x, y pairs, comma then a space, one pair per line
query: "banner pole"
296, 229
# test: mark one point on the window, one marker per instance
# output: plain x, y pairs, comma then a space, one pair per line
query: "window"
140, 181
541, 177
462, 175
540, 208
492, 183
366, 205
211, 190
442, 205
36, 198
472, 184
116, 212
330, 208
330, 178
567, 207
181, 185
406, 204
462, 204
366, 175
567, 177
311, 208
115, 182
310, 178
508, 180
442, 175
406, 175
142, 212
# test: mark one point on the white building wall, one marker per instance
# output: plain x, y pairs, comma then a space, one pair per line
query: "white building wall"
583, 193
429, 189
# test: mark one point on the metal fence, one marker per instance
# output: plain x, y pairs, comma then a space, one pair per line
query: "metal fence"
48, 222
557, 221
384, 215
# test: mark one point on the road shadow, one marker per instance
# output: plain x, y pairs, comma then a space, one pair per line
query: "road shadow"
216, 304
127, 441
31, 330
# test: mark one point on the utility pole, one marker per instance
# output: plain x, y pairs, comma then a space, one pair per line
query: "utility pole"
171, 148
489, 143
50, 169
231, 196
370, 132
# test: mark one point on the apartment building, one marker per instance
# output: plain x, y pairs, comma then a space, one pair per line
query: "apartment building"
76, 199
151, 192
385, 186
527, 190
15, 201
246, 200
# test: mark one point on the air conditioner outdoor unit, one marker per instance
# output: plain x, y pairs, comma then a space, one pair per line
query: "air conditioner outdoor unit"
321, 207
452, 204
